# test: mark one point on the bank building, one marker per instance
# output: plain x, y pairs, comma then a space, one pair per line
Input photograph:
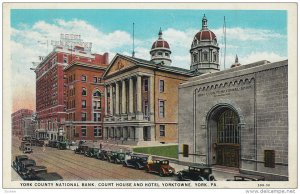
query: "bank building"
237, 118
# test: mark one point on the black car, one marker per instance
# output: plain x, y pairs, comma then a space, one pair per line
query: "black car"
27, 150
62, 145
81, 149
17, 162
116, 157
53, 143
136, 161
196, 173
103, 155
53, 176
33, 171
23, 170
91, 152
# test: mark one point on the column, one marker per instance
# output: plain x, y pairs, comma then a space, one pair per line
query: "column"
139, 114
117, 99
152, 133
125, 132
139, 136
111, 109
105, 101
124, 97
151, 98
130, 95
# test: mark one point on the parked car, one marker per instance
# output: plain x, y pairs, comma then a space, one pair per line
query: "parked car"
196, 173
91, 152
103, 155
52, 176
62, 145
39, 142
27, 150
81, 149
23, 145
53, 143
26, 138
17, 162
162, 167
247, 177
33, 171
136, 161
23, 170
117, 157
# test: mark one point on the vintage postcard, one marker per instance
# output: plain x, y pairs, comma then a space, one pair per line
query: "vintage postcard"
150, 95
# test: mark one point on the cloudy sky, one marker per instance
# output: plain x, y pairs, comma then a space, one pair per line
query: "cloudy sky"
252, 35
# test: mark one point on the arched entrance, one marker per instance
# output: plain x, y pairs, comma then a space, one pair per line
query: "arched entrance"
224, 136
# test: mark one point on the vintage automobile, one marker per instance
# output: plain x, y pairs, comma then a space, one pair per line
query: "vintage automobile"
62, 145
117, 157
23, 145
53, 143
91, 152
135, 160
247, 177
26, 138
196, 173
162, 167
23, 170
33, 171
27, 150
17, 162
38, 142
103, 155
81, 149
52, 176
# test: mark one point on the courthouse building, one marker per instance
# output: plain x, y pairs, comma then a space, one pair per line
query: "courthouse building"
142, 97
236, 118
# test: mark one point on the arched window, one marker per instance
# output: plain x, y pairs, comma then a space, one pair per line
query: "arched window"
97, 94
83, 91
195, 57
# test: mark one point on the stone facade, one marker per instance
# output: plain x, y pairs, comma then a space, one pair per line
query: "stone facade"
255, 99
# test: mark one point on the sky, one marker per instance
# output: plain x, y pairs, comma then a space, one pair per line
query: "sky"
252, 35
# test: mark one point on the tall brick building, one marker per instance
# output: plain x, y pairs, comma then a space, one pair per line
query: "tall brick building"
18, 121
235, 118
51, 87
85, 100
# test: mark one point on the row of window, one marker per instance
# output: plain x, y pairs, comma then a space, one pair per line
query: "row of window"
97, 131
161, 85
160, 54
95, 79
96, 116
204, 57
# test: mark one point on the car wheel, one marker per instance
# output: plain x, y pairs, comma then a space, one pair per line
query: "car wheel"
137, 166
161, 173
180, 178
124, 164
146, 169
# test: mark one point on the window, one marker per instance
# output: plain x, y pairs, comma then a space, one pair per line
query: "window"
97, 131
161, 108
83, 116
185, 152
146, 110
205, 56
159, 53
215, 57
145, 85
161, 85
269, 156
96, 105
166, 54
97, 94
83, 78
97, 116
83, 131
162, 132
65, 59
99, 79
83, 92
83, 103
195, 57
95, 79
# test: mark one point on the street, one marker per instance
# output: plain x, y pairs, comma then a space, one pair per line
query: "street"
73, 166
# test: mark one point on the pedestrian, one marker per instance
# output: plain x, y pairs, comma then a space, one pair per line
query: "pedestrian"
44, 147
100, 146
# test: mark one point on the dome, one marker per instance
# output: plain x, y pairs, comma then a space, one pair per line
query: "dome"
205, 35
160, 43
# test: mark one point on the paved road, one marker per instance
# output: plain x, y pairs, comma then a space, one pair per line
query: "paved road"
72, 166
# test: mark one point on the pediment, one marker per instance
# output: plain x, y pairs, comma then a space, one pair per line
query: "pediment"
119, 64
